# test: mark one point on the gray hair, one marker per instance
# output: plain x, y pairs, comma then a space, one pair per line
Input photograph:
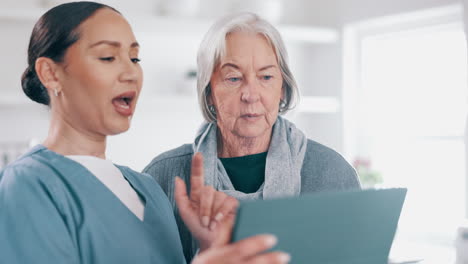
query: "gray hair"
213, 48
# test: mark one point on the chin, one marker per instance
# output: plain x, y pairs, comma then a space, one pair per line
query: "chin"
252, 132
116, 129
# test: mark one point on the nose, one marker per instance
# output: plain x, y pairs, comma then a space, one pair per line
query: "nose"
250, 92
131, 72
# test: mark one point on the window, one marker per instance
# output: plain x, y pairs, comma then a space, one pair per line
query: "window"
407, 105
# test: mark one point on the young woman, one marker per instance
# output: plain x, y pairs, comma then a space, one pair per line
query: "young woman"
63, 202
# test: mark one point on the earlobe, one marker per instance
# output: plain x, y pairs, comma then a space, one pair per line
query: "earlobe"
46, 70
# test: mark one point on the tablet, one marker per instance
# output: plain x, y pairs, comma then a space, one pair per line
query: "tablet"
351, 227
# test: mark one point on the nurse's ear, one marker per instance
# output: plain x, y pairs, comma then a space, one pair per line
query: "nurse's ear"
47, 71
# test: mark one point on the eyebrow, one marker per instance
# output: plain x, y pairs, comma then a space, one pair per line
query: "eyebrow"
237, 67
230, 65
113, 43
267, 67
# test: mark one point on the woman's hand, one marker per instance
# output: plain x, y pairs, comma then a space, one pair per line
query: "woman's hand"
247, 251
205, 208
210, 216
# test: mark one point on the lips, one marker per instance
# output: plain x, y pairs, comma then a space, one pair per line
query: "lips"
251, 116
123, 103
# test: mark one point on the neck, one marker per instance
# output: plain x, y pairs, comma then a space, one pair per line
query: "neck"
66, 139
231, 145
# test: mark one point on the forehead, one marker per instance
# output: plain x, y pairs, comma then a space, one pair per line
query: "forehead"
106, 24
244, 45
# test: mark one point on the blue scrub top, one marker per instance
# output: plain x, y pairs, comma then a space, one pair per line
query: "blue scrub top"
53, 210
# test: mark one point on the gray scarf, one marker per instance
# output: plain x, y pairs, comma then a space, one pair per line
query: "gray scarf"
283, 163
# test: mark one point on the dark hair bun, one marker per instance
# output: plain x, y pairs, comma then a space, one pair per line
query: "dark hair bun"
33, 88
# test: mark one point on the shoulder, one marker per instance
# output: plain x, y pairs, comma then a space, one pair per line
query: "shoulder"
324, 168
30, 182
33, 208
175, 158
166, 166
319, 153
175, 154
31, 168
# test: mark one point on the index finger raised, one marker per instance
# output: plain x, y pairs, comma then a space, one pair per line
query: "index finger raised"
197, 177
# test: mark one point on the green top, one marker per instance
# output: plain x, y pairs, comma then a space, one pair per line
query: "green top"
247, 173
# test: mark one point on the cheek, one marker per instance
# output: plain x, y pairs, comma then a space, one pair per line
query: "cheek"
88, 82
272, 99
226, 105
91, 93
224, 99
140, 78
97, 91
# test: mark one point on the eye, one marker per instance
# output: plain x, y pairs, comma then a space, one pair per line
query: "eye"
233, 79
107, 59
267, 77
135, 60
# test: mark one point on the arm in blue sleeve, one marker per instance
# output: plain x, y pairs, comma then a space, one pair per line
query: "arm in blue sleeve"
32, 229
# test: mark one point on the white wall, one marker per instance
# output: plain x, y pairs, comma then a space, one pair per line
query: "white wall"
465, 5
23, 123
13, 51
339, 12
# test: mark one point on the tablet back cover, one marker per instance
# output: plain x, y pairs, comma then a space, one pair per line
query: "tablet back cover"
352, 227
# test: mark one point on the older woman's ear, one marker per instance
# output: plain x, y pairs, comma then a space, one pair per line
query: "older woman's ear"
209, 94
282, 105
282, 102
209, 101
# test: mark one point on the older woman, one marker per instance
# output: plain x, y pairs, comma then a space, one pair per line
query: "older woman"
63, 202
244, 84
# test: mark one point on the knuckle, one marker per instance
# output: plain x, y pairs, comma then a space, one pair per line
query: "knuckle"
208, 190
220, 194
243, 252
245, 249
232, 202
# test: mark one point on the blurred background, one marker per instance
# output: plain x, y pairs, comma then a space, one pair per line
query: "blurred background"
383, 82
